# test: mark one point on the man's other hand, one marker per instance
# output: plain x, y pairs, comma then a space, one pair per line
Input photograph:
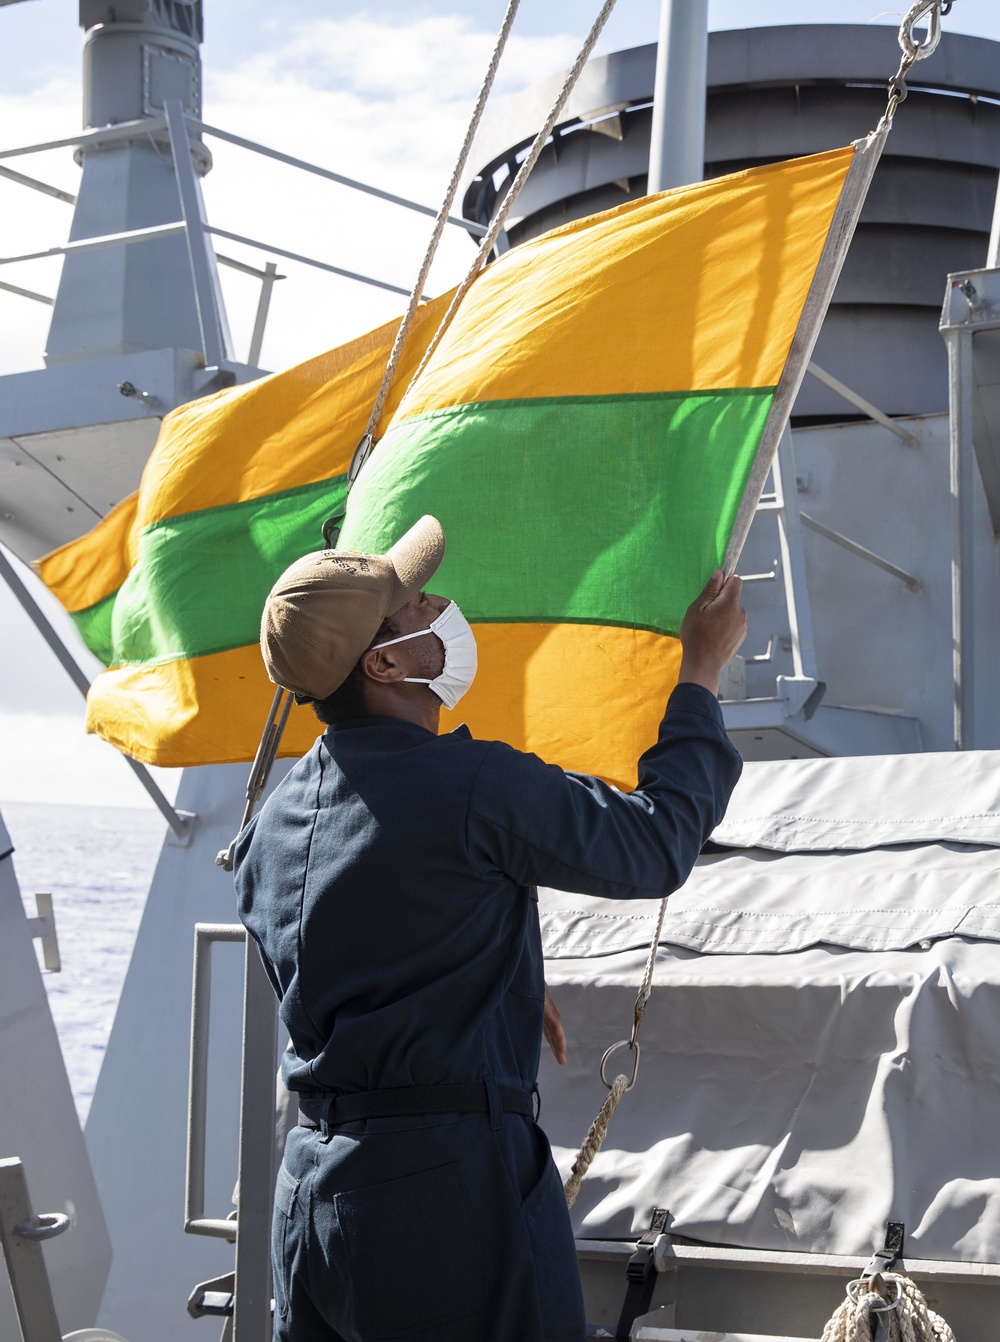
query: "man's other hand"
552, 1028
712, 630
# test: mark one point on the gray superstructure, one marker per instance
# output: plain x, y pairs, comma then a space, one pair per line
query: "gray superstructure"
775, 93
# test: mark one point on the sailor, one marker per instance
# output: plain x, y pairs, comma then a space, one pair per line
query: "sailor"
390, 884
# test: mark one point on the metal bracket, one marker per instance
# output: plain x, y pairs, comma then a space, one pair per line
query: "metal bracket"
885, 1259
43, 929
802, 694
213, 1298
642, 1270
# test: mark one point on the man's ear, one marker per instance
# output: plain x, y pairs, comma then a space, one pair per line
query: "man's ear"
383, 665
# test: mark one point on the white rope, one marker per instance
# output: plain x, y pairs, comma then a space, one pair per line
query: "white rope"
908, 1321
486, 246
416, 295
598, 1130
594, 1138
367, 443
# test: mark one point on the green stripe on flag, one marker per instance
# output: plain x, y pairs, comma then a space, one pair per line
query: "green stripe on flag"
600, 510
201, 579
94, 626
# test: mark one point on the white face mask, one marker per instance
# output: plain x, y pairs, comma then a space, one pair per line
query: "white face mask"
460, 656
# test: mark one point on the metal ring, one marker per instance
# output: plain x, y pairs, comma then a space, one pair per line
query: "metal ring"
622, 1043
46, 1225
876, 1309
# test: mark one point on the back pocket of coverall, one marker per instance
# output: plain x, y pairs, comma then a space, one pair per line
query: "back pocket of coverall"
414, 1250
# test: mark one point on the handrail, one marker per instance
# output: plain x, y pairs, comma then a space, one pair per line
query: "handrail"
96, 244
22, 179
195, 1220
26, 293
128, 130
314, 168
123, 130
171, 230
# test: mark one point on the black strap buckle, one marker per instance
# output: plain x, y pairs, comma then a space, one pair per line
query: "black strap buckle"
886, 1258
641, 1275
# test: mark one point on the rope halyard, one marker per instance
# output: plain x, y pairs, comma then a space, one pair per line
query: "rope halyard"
598, 1130
403, 330
892, 1300
366, 446
506, 205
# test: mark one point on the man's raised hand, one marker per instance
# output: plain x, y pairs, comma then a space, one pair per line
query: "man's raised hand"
712, 631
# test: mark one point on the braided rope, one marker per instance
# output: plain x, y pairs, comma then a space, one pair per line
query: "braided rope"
646, 987
486, 246
416, 295
598, 1130
909, 1321
594, 1139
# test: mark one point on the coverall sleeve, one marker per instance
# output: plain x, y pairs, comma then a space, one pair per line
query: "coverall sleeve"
540, 825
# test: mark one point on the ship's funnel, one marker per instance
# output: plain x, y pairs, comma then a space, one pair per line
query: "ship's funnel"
137, 56
138, 324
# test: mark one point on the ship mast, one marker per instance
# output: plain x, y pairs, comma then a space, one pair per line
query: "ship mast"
677, 142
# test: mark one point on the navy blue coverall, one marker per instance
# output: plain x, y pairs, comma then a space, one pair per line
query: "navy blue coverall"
389, 882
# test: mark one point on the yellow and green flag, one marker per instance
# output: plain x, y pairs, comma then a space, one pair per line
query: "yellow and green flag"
593, 431
168, 589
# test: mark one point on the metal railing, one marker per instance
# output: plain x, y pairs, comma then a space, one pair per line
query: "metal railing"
206, 935
251, 1226
195, 226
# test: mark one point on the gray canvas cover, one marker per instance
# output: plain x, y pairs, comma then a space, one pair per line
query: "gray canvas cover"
821, 1052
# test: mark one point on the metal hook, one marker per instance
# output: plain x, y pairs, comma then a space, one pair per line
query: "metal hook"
919, 51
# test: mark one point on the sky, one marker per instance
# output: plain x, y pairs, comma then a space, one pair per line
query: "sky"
381, 93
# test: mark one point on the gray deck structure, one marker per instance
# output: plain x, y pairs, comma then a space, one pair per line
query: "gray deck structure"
774, 93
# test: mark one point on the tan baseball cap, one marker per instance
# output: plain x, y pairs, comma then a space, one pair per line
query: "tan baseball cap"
324, 611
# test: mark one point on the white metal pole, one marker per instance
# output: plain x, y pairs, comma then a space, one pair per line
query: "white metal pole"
962, 484
677, 143
993, 250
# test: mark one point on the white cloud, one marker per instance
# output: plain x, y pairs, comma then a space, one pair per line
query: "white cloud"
384, 103
31, 222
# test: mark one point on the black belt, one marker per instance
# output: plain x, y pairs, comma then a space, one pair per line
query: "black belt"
474, 1097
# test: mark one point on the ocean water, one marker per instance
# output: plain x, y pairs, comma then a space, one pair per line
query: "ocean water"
97, 862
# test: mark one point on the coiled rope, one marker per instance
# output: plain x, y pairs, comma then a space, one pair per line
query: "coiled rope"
892, 1300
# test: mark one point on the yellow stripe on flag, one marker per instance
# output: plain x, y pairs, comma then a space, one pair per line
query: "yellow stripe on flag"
716, 284
87, 570
207, 710
286, 430
587, 697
